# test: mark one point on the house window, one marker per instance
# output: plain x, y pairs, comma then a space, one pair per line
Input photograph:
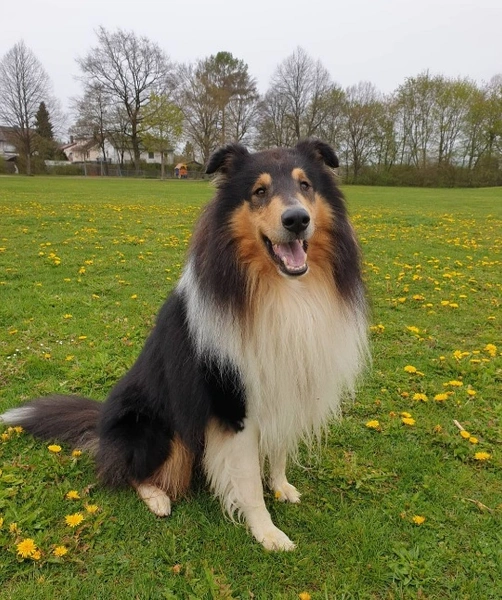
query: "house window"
150, 155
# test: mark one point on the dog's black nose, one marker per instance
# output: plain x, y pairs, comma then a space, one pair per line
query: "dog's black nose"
295, 219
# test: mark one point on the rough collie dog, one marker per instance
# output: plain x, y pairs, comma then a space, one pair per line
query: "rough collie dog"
253, 351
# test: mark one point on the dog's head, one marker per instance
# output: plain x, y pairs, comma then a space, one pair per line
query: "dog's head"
279, 204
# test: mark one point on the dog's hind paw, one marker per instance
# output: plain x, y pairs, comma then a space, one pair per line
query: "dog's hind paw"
156, 499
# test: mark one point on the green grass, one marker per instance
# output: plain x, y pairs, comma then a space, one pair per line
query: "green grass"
84, 267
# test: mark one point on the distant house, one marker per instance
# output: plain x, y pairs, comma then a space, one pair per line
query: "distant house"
7, 148
88, 150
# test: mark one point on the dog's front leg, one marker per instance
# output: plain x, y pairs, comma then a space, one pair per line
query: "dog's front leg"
232, 465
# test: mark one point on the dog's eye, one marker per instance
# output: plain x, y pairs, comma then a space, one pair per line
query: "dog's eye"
305, 186
261, 191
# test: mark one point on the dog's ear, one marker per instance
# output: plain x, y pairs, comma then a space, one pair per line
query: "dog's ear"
319, 149
222, 159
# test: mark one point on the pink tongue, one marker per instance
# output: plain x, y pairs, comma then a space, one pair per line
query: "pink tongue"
293, 252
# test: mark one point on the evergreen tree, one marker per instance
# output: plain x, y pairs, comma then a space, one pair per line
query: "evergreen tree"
43, 125
45, 144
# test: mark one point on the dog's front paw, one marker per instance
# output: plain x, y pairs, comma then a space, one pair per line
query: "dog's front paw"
275, 539
285, 492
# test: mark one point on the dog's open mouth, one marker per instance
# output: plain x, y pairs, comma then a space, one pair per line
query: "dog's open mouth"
290, 256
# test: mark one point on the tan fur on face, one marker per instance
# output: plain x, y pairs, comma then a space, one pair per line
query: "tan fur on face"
320, 253
299, 175
264, 180
174, 475
250, 247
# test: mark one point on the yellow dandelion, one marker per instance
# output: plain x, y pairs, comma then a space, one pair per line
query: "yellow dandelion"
304, 596
491, 349
37, 555
465, 434
418, 519
76, 453
410, 369
26, 548
1, 522
482, 456
91, 508
408, 421
4, 437
60, 551
74, 520
473, 440
54, 448
471, 393
373, 424
438, 429
441, 397
73, 495
67, 316
278, 495
13, 528
420, 397
454, 383
406, 415
18, 429
413, 329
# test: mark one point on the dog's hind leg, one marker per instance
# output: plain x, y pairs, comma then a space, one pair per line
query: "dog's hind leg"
170, 481
283, 490
232, 464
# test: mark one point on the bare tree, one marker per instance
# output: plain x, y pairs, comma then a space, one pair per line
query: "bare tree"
361, 113
416, 98
273, 124
299, 102
303, 83
93, 112
200, 112
24, 84
128, 69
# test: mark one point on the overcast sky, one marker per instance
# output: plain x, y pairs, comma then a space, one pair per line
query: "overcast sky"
382, 41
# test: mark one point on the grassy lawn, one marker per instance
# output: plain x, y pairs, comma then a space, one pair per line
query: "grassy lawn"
390, 508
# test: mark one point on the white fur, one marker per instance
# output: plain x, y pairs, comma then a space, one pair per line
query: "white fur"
299, 358
17, 416
155, 498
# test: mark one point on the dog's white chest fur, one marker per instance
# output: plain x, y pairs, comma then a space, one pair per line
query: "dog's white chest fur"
302, 356
298, 356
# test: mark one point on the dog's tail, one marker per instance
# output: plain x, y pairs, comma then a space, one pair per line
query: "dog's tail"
70, 419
